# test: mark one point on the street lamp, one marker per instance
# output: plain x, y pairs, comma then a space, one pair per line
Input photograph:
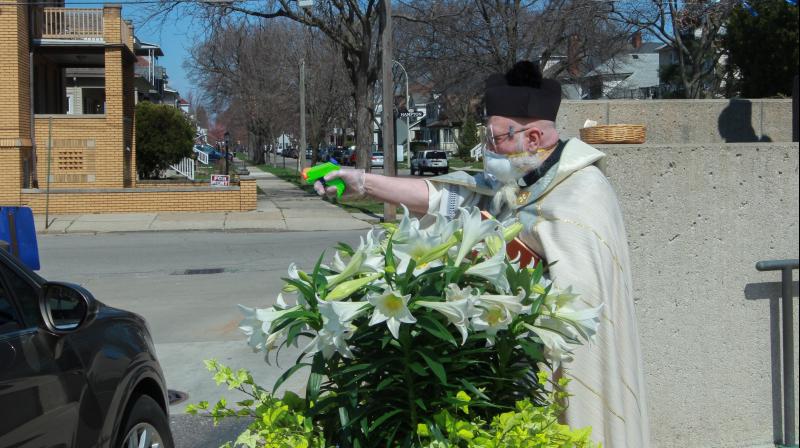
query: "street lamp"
408, 104
227, 138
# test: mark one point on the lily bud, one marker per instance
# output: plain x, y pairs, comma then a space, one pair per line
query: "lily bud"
347, 288
510, 232
494, 244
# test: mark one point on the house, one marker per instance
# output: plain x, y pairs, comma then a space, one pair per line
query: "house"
150, 77
67, 117
434, 129
631, 74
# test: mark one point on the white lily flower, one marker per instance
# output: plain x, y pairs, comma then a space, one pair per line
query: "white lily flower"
336, 328
458, 313
338, 264
281, 302
556, 348
351, 269
345, 311
392, 308
511, 303
575, 323
492, 319
492, 269
404, 230
561, 307
329, 342
453, 293
251, 327
474, 229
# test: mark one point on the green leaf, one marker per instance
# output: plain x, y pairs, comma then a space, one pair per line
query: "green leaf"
418, 369
532, 349
383, 418
435, 328
386, 382
346, 248
285, 376
315, 274
436, 366
315, 378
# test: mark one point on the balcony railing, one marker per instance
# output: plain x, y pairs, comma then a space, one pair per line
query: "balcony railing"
69, 23
77, 24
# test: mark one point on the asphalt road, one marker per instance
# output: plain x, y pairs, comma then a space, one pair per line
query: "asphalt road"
187, 285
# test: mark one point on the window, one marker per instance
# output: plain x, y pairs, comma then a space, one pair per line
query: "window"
447, 136
9, 320
27, 295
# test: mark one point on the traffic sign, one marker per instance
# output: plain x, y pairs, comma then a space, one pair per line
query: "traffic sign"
412, 114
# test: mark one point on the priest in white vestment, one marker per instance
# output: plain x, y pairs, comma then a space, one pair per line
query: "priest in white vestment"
572, 219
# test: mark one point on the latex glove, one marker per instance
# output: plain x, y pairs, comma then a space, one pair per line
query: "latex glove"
354, 184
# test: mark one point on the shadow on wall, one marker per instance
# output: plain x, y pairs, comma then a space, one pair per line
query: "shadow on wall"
735, 123
772, 292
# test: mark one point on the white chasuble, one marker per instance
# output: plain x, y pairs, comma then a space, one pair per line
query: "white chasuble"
572, 218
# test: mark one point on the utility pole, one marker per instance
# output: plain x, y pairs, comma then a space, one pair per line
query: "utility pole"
389, 148
301, 153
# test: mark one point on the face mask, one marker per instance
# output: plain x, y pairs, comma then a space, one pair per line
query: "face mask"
508, 168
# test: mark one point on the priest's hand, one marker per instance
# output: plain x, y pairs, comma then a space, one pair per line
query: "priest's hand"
354, 184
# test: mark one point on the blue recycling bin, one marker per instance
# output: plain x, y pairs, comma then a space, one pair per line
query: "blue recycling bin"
18, 230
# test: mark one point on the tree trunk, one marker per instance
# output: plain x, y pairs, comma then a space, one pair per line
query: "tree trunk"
363, 123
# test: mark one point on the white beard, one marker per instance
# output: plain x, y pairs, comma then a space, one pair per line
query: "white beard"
507, 171
504, 200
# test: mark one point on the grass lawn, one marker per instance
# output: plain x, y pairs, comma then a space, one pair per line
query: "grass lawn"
367, 206
458, 163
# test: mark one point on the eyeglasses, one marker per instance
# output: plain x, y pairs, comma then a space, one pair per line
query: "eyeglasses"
492, 140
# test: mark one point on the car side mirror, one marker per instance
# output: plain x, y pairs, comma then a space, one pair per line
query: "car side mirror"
65, 307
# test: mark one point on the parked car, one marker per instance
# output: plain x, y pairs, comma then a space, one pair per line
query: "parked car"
431, 161
290, 152
348, 158
377, 160
213, 153
73, 371
339, 154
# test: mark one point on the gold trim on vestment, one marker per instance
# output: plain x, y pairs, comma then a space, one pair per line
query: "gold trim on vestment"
601, 397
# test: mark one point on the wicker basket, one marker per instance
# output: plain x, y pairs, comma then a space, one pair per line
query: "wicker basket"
614, 133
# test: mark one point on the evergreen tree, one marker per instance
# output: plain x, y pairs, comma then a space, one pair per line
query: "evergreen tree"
163, 137
762, 44
468, 138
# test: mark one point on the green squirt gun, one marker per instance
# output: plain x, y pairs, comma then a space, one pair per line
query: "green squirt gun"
315, 173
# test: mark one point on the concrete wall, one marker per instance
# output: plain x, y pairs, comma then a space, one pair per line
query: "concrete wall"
686, 121
698, 218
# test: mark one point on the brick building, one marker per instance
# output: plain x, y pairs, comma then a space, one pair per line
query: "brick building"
75, 148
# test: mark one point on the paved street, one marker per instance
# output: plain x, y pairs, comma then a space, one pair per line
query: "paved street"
192, 315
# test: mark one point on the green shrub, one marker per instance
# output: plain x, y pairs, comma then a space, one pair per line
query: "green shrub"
164, 136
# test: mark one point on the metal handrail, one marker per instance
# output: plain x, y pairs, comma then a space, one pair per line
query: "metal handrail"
202, 157
787, 323
185, 167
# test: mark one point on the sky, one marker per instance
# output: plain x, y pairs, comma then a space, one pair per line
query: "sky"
175, 38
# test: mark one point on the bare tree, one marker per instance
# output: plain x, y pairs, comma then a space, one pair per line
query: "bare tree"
250, 71
470, 39
352, 25
692, 29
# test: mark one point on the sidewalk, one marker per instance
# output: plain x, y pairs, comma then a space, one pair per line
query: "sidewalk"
282, 207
